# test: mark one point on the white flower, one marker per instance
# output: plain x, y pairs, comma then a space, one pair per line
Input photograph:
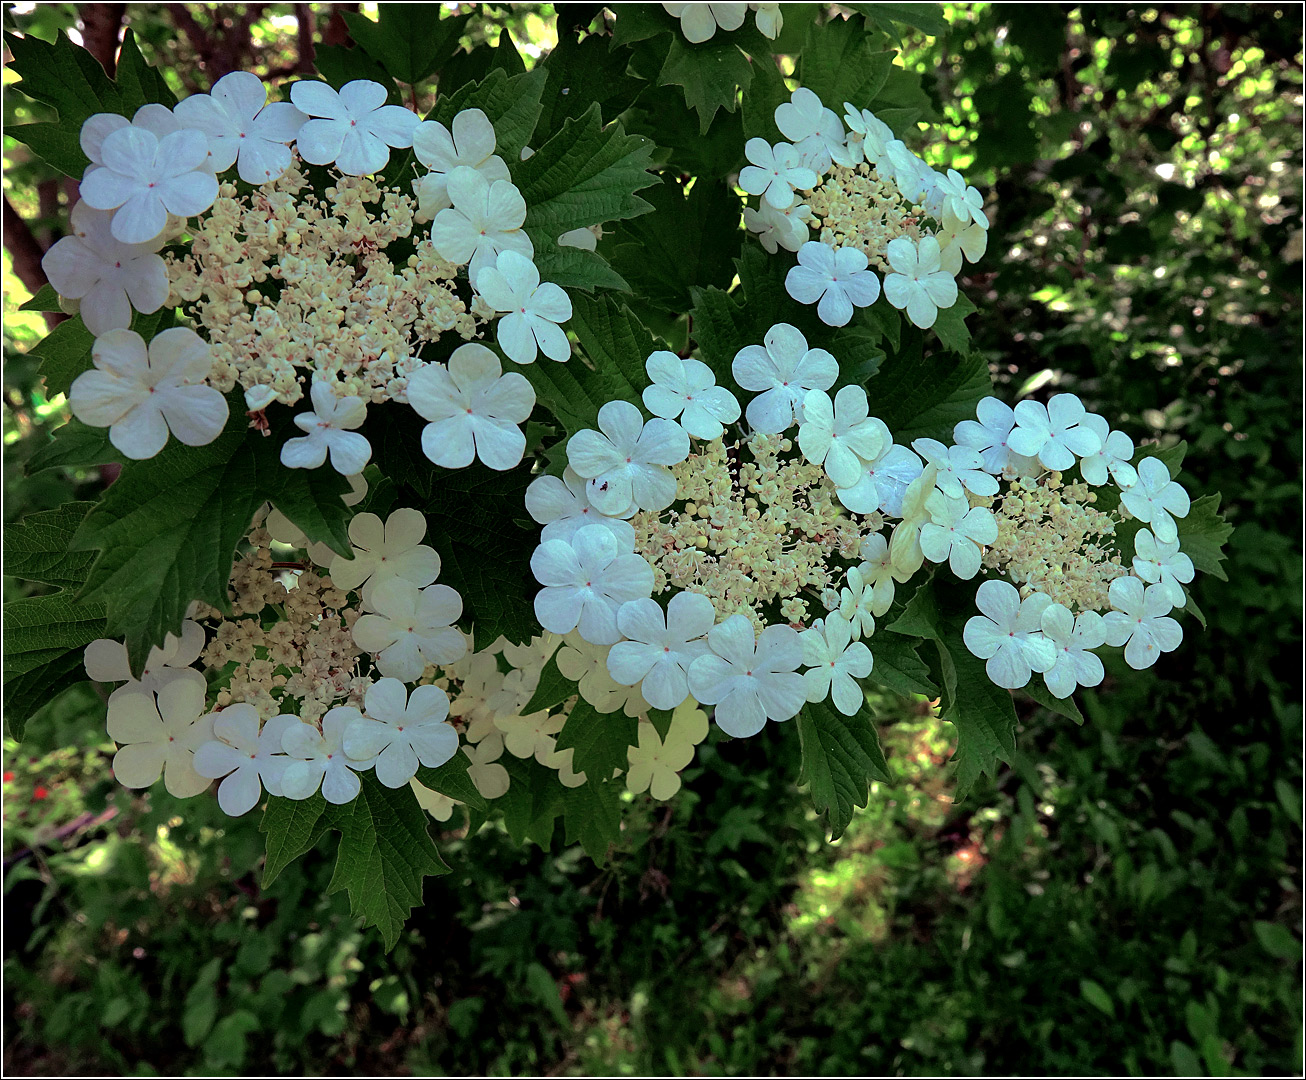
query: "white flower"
661, 646
884, 480
141, 392
160, 737
857, 604
698, 22
146, 178
779, 228
585, 581
1008, 635
783, 370
988, 438
775, 172
1114, 457
587, 666
905, 543
242, 128
534, 654
655, 765
438, 805
1053, 432
1156, 499
770, 21
869, 131
836, 662
1164, 564
474, 409
1140, 621
839, 435
815, 131
330, 428
749, 679
401, 732
106, 662
319, 759
485, 218
917, 283
688, 386
356, 129
250, 759
384, 552
491, 779
959, 467
154, 118
106, 275
962, 202
958, 239
411, 628
584, 238
878, 572
626, 460
481, 680
1072, 638
955, 533
530, 736
534, 310
471, 145
563, 506
838, 279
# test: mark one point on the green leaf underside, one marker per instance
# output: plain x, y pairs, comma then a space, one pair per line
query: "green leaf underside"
841, 756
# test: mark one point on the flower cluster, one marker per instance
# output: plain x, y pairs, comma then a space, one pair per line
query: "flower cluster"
699, 22
864, 213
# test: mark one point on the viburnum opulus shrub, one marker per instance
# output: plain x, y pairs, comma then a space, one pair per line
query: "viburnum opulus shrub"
480, 457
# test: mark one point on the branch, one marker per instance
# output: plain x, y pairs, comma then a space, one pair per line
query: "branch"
101, 25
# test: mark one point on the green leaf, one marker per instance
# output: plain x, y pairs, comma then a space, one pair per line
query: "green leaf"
339, 65
1203, 534
74, 445
554, 688
950, 325
920, 396
925, 17
36, 548
711, 74
591, 814
64, 354
410, 41
43, 642
138, 83
201, 1005
1277, 940
898, 666
386, 851
600, 739
532, 802
168, 527
64, 76
46, 299
639, 22
60, 148
840, 62
511, 104
581, 73
765, 93
841, 756
292, 826
453, 780
1096, 996
615, 342
1066, 707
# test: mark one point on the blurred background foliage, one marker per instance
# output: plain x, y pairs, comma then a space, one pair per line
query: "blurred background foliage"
1125, 899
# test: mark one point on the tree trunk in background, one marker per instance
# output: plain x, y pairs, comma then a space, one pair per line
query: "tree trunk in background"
101, 26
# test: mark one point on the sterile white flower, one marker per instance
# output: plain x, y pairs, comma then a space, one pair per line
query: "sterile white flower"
330, 429
835, 280
962, 202
698, 22
318, 759
584, 238
1053, 432
905, 543
356, 128
688, 386
661, 646
770, 21
917, 283
153, 117
857, 604
474, 409
438, 805
242, 127
1163, 564
485, 218
785, 228
959, 467
585, 581
878, 572
160, 736
402, 731
654, 764
410, 628
988, 438
839, 434
563, 506
836, 662
534, 654
1155, 499
883, 481
470, 144
867, 132
815, 131
534, 310
958, 240
1009, 634
1140, 621
587, 665
955, 532
141, 392
626, 460
110, 278
145, 178
383, 552
530, 736
1073, 638
491, 779
775, 172
249, 759
749, 678
106, 662
1114, 457
781, 372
